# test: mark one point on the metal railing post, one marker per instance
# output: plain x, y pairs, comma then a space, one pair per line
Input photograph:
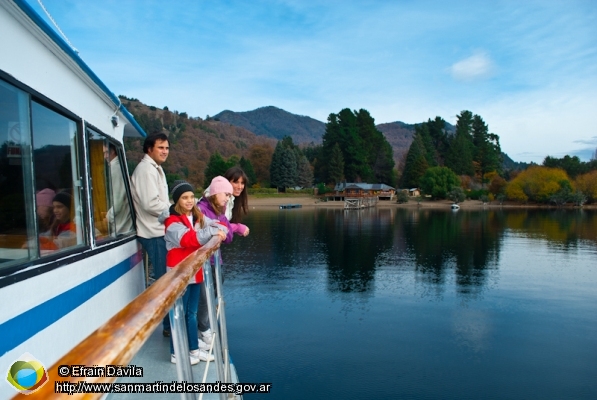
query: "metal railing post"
222, 309
213, 322
181, 346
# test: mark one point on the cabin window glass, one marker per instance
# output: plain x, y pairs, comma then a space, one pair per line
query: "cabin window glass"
17, 224
111, 207
57, 180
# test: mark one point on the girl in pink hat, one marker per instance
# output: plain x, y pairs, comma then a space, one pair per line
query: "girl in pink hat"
213, 205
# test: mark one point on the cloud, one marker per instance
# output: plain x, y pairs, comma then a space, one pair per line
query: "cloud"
592, 141
476, 67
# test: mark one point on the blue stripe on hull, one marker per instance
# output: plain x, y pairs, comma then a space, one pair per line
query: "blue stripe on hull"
24, 326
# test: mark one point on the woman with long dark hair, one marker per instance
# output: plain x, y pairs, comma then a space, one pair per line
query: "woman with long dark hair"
235, 209
238, 205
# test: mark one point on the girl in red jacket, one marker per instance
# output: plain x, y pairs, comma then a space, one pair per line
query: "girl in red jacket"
186, 231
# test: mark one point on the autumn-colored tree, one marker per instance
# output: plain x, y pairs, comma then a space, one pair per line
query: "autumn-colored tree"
466, 182
587, 184
260, 156
537, 184
497, 184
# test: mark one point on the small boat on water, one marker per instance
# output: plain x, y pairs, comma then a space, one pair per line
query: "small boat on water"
286, 206
455, 206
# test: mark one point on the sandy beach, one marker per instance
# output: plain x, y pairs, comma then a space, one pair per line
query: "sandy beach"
310, 201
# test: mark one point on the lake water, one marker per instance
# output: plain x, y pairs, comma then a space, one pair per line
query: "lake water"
407, 304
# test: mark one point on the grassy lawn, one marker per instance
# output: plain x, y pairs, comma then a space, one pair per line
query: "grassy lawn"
279, 195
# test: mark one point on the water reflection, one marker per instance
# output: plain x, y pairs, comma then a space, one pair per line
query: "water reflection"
437, 245
561, 228
313, 289
467, 242
353, 240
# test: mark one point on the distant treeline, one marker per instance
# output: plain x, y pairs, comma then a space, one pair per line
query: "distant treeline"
353, 149
443, 161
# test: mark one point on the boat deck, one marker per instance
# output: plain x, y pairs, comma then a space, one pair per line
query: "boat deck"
154, 358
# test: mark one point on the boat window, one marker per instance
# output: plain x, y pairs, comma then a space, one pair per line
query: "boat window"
109, 182
17, 226
57, 180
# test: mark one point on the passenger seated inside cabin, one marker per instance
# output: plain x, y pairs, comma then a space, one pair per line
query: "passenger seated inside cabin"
118, 217
62, 232
44, 208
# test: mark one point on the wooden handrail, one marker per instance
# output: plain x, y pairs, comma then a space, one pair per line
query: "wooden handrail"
118, 340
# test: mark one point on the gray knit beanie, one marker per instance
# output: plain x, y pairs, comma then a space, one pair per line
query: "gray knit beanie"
178, 188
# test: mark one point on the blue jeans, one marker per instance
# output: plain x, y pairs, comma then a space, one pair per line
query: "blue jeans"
190, 301
203, 317
156, 251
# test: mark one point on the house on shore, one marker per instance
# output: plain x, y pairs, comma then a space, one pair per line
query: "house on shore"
344, 190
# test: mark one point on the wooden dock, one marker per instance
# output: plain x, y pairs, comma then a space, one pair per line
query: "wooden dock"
284, 206
357, 203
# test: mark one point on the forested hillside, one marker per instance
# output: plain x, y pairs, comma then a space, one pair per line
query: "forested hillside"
349, 146
193, 141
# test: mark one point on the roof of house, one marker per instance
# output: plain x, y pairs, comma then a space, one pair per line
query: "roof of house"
363, 186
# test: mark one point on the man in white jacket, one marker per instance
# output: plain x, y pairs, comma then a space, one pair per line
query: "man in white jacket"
150, 196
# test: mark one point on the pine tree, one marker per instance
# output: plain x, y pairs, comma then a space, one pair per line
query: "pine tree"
289, 169
459, 157
215, 166
416, 163
366, 153
304, 173
336, 165
276, 165
283, 169
353, 150
488, 154
430, 154
439, 138
378, 151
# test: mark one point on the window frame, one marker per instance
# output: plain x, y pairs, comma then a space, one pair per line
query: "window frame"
26, 269
124, 171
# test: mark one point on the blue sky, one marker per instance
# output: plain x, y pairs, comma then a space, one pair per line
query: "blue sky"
528, 68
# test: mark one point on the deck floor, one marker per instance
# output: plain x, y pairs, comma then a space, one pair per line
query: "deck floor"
154, 358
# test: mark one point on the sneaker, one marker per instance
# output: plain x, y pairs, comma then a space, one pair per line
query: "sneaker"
202, 355
203, 346
206, 336
194, 359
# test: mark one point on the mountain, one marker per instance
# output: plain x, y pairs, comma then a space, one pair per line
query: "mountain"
399, 135
192, 140
509, 164
275, 123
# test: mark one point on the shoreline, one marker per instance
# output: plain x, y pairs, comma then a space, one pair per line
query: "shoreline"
310, 201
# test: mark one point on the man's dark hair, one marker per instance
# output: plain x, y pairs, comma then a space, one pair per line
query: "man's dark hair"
151, 139
112, 147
